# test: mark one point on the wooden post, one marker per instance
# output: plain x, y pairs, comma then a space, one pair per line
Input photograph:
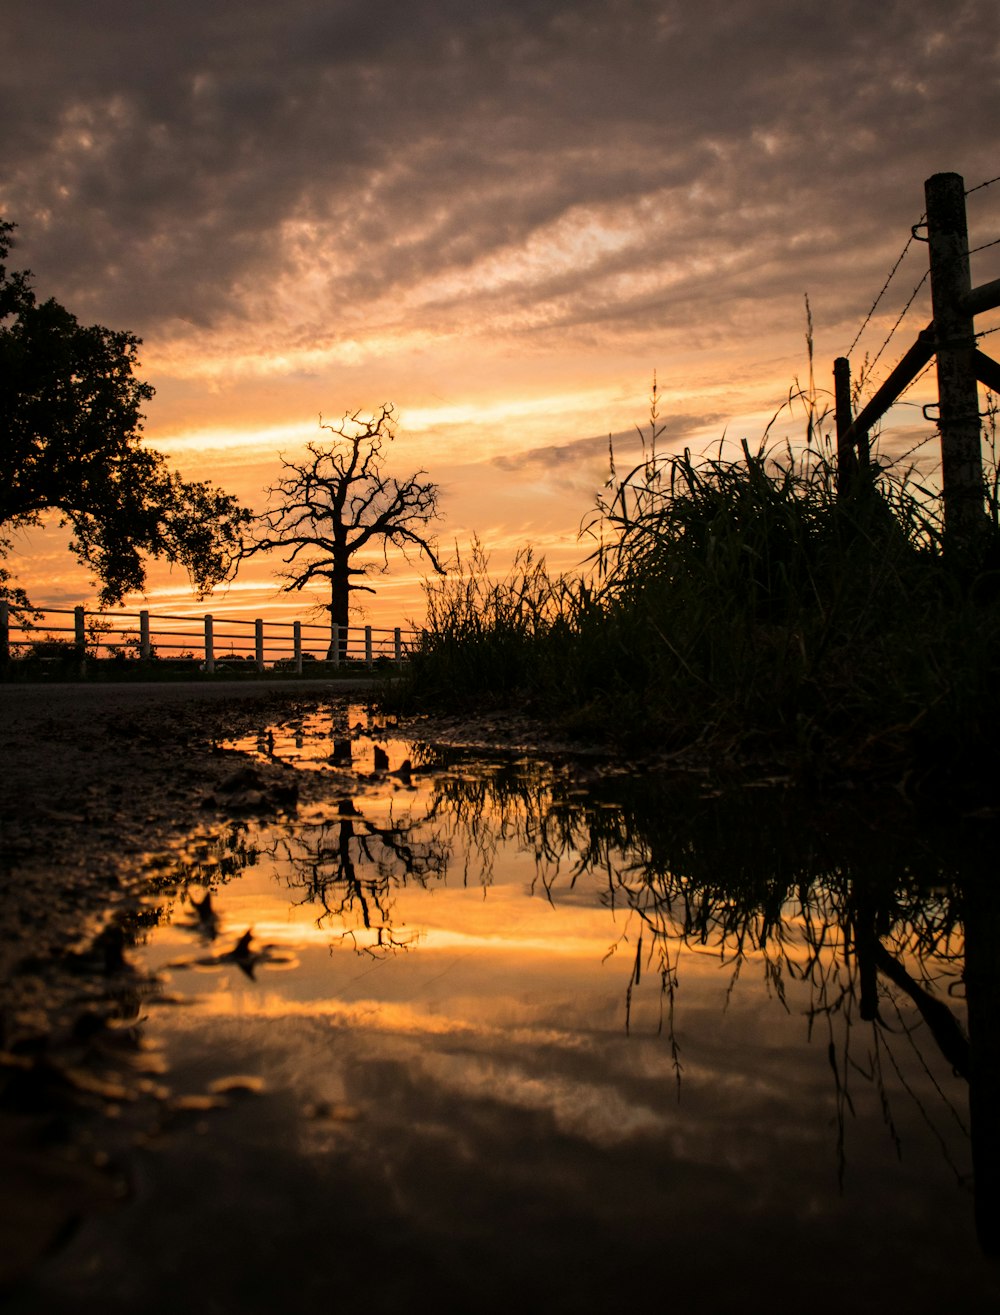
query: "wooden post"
80, 639
335, 643
297, 645
4, 631
258, 643
847, 455
145, 648
368, 646
397, 639
955, 344
209, 645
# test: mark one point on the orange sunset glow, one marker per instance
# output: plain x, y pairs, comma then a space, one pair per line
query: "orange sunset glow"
501, 219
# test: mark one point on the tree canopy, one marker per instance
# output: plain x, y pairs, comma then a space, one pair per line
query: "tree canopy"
328, 509
71, 443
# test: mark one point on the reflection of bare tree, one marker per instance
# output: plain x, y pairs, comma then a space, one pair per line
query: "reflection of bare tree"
866, 911
350, 866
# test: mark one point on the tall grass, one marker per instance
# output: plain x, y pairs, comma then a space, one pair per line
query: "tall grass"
740, 604
486, 638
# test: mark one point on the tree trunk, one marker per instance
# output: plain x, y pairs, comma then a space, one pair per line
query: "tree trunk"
340, 593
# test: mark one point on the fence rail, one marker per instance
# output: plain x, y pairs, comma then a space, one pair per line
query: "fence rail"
205, 644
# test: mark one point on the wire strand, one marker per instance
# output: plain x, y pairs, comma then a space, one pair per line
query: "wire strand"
882, 292
979, 186
899, 321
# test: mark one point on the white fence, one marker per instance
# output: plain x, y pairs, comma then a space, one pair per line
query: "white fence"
205, 643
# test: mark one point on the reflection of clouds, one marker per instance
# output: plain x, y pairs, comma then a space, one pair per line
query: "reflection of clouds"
484, 1084
594, 1111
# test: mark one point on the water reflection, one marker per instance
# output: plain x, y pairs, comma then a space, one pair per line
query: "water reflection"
586, 947
846, 904
348, 869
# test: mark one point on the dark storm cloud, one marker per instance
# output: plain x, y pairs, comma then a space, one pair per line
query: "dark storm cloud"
173, 160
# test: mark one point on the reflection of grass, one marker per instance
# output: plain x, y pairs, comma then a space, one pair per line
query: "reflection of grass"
853, 913
743, 606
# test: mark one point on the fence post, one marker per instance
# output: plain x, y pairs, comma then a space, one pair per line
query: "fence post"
955, 344
335, 643
209, 644
848, 456
297, 645
397, 640
4, 631
145, 649
368, 646
80, 638
258, 643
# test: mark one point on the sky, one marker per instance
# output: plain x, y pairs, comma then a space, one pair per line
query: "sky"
501, 217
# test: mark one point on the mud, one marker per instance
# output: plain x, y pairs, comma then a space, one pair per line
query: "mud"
96, 780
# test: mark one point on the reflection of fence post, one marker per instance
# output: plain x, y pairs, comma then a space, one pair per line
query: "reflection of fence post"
297, 645
335, 643
145, 650
258, 643
209, 644
397, 638
368, 646
955, 344
4, 631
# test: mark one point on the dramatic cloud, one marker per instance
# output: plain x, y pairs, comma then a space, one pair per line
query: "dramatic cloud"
324, 205
557, 164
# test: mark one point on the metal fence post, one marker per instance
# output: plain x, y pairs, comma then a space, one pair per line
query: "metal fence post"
368, 646
145, 648
297, 645
209, 645
258, 643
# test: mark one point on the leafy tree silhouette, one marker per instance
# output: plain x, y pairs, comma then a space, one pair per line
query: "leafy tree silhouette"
71, 426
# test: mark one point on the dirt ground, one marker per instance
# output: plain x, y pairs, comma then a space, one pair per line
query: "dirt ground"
96, 779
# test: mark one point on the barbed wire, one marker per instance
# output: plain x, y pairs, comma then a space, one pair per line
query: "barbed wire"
912, 451
984, 246
889, 336
882, 292
979, 186
892, 272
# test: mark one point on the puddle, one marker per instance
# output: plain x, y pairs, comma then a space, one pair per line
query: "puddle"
497, 1028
